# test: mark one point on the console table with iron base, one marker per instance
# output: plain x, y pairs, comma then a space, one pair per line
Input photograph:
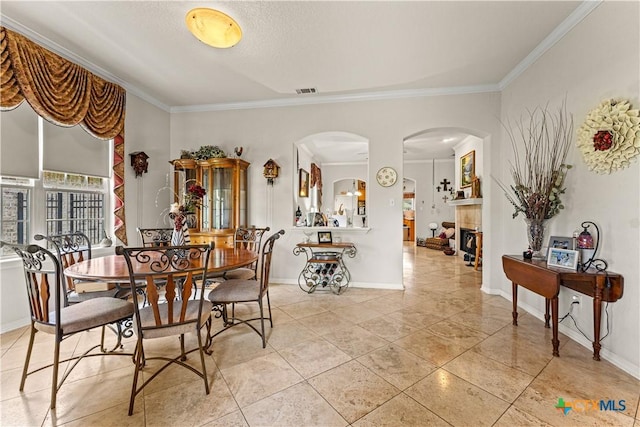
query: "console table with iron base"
325, 267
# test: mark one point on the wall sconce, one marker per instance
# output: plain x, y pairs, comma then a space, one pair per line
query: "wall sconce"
271, 170
139, 162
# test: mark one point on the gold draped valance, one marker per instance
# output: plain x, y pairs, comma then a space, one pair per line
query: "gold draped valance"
60, 91
66, 94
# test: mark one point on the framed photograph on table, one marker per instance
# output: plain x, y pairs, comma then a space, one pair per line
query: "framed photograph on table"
303, 183
324, 237
562, 258
561, 242
467, 169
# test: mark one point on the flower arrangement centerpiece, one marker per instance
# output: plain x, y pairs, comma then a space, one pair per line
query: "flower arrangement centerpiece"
540, 145
191, 200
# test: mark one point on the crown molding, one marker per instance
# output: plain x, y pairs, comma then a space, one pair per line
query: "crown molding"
334, 99
584, 9
67, 54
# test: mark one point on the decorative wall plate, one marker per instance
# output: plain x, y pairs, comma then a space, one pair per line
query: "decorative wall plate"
387, 176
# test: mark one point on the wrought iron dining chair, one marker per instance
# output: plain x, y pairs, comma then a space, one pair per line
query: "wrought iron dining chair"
232, 292
72, 248
246, 238
155, 236
51, 313
174, 315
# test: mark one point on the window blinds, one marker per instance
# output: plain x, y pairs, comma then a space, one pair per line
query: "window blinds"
19, 142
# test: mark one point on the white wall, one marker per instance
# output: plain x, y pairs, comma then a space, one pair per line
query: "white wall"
147, 198
272, 133
587, 66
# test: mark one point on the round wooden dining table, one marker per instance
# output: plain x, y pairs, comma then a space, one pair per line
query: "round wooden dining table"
113, 268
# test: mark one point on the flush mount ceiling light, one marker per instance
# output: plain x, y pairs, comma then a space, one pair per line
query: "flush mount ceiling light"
213, 27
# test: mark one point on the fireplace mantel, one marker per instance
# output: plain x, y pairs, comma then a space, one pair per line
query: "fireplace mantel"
464, 202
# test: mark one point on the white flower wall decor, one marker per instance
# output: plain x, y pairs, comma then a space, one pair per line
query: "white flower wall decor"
609, 138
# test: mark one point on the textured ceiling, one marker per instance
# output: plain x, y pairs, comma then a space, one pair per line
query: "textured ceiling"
343, 49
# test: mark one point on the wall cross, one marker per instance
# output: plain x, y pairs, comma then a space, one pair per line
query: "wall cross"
444, 183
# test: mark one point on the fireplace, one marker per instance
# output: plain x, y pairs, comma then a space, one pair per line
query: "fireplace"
468, 244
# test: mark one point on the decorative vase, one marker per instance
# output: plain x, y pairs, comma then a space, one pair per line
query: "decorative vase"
177, 237
537, 234
191, 219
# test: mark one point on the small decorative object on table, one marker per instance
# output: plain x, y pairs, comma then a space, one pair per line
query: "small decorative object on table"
539, 170
324, 237
563, 258
588, 247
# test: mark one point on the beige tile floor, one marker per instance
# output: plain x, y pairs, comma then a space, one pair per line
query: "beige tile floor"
439, 353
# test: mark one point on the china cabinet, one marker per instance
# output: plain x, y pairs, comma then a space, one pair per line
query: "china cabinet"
224, 207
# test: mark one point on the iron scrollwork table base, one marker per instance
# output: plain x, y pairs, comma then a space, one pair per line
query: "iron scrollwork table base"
325, 267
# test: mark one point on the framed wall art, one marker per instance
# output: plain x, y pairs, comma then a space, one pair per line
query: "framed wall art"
303, 183
467, 169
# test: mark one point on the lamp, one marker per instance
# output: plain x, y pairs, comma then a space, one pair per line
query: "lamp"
213, 27
588, 248
353, 191
432, 227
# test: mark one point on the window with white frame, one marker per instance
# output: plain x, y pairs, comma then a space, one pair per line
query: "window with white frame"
15, 209
53, 179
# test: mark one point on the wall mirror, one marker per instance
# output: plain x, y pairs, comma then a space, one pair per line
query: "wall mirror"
330, 169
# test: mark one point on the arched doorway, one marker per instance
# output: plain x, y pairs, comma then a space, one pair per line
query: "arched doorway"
433, 158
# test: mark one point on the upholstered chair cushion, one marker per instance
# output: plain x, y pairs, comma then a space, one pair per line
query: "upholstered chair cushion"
236, 291
148, 320
240, 274
90, 314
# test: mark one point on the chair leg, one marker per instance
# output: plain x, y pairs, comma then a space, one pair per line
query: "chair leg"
134, 386
184, 356
54, 379
269, 306
28, 358
204, 367
264, 340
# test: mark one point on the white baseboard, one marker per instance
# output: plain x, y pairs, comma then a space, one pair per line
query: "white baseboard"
390, 286
6, 327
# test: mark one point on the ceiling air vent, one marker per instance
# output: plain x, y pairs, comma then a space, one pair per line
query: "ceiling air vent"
306, 91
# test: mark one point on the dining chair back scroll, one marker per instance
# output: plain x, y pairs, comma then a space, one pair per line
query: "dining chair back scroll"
235, 291
182, 271
155, 236
52, 314
246, 238
72, 248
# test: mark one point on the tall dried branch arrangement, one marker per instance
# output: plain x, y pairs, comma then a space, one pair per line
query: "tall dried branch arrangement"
540, 145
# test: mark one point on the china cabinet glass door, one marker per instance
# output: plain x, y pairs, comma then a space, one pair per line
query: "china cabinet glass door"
222, 198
